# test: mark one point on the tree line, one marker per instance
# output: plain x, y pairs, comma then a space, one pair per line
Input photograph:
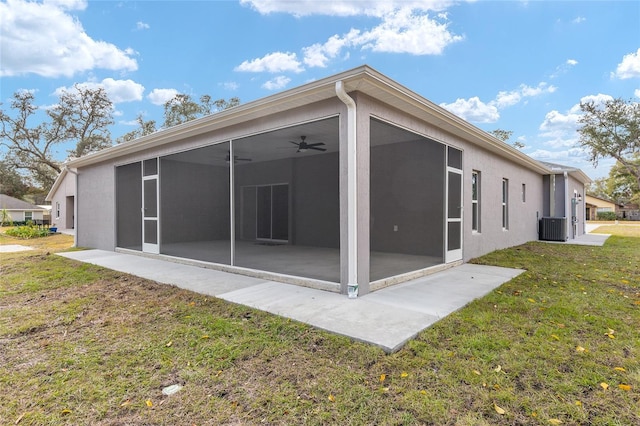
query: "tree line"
31, 137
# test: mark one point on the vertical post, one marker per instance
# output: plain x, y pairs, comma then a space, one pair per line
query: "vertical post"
232, 219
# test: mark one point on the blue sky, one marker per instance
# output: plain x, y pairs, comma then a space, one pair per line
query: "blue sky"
522, 66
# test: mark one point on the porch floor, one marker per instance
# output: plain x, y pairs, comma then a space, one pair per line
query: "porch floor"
318, 263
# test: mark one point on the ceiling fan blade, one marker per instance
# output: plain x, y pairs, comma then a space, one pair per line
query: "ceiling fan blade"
315, 144
295, 143
316, 148
243, 159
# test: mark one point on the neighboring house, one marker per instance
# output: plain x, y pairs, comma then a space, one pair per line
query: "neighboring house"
62, 199
21, 211
352, 180
628, 211
595, 205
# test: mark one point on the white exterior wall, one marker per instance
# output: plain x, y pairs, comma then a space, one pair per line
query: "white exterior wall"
63, 216
19, 215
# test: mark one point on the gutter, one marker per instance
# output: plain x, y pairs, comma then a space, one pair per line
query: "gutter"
352, 192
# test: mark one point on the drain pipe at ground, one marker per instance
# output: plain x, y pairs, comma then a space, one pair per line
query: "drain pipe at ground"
352, 198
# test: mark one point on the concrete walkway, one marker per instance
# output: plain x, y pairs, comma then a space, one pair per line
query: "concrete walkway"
387, 318
587, 239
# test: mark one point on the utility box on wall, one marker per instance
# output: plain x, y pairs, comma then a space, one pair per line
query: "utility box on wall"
553, 229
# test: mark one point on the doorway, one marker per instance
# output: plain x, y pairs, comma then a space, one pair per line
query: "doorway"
150, 206
265, 213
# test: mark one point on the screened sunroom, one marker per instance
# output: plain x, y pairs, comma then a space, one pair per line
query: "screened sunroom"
269, 203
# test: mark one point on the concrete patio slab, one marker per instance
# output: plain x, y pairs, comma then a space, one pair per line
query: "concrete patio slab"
12, 248
200, 280
387, 318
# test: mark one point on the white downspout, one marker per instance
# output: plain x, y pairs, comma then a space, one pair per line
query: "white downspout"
352, 192
75, 207
232, 217
567, 206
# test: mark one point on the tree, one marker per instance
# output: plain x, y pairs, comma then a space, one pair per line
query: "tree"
81, 116
612, 129
146, 128
11, 183
620, 186
183, 108
624, 187
179, 109
505, 135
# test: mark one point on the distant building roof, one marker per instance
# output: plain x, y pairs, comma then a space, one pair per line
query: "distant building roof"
10, 203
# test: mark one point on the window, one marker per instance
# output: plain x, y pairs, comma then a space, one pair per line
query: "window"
524, 192
505, 203
57, 210
475, 201
28, 216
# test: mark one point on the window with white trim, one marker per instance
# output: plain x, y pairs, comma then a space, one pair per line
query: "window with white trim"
57, 210
475, 201
505, 203
28, 216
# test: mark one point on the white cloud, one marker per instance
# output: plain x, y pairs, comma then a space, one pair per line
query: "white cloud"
142, 26
598, 99
473, 109
560, 130
317, 55
118, 90
541, 88
557, 124
636, 93
277, 83
564, 68
230, 85
579, 20
44, 39
161, 96
274, 62
629, 67
406, 31
404, 27
342, 7
505, 99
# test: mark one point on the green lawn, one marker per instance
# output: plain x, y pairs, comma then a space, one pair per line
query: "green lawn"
560, 344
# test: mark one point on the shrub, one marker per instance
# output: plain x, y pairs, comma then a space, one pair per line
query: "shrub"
27, 232
606, 216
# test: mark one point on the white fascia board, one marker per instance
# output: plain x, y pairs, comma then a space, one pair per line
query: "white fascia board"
56, 184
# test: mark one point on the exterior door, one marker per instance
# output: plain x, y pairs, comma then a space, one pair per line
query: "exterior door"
150, 207
453, 230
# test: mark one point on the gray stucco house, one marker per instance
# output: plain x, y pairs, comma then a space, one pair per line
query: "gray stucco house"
352, 182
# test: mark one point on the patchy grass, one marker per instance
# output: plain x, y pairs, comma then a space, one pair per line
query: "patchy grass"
84, 345
50, 243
